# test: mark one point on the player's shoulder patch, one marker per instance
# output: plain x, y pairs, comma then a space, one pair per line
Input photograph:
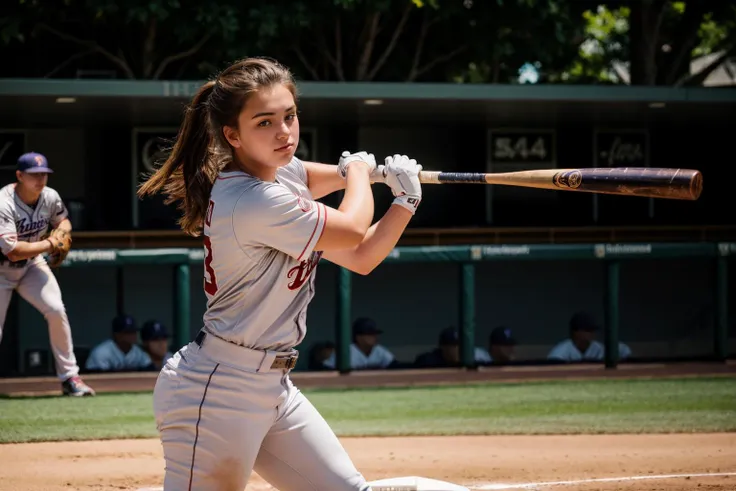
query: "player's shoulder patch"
304, 204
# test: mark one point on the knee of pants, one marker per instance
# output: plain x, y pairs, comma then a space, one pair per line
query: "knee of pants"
195, 462
227, 474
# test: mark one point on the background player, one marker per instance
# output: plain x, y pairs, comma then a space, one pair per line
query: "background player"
225, 404
121, 352
155, 342
27, 208
581, 345
365, 351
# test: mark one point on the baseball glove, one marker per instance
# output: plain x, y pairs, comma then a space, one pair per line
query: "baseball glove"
62, 242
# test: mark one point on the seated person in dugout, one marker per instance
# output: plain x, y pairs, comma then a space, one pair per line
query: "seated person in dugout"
319, 353
447, 353
155, 342
121, 353
501, 347
581, 345
365, 352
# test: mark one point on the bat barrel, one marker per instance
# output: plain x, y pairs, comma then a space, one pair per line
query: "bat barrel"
652, 182
684, 184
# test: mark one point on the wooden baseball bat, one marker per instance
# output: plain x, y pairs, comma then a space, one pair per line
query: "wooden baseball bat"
652, 182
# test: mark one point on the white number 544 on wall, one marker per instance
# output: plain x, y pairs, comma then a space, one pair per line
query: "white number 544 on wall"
522, 146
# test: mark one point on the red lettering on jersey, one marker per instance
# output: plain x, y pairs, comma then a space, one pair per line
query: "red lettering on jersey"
208, 215
210, 282
301, 273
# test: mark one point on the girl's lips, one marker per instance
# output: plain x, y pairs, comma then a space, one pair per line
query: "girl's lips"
288, 146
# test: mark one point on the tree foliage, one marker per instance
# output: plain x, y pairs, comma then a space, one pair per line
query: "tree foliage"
146, 39
653, 42
649, 42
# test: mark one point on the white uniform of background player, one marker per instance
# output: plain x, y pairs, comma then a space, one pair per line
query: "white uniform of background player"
25, 223
581, 345
225, 404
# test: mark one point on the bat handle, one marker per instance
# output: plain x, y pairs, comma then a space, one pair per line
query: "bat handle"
378, 174
425, 177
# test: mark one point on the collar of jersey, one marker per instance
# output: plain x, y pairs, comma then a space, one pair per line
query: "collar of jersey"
228, 172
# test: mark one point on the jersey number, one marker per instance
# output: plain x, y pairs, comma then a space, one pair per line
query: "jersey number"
210, 282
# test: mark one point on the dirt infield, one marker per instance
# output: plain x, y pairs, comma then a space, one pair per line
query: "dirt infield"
480, 462
613, 462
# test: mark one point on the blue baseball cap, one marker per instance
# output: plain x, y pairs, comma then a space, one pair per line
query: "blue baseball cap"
583, 321
502, 336
124, 323
449, 336
33, 163
153, 330
365, 325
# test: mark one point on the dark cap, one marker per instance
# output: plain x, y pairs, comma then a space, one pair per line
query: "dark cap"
365, 325
449, 336
124, 323
153, 330
582, 321
501, 336
33, 163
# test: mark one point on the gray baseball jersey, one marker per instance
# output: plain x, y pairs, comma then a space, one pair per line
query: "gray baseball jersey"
32, 278
18, 221
259, 240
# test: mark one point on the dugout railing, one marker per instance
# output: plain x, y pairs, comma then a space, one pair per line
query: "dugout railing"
143, 239
466, 257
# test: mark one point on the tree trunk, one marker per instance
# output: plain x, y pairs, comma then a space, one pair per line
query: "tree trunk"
675, 64
644, 22
371, 30
148, 55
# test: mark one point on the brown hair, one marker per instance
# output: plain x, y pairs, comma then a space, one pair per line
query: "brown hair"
201, 150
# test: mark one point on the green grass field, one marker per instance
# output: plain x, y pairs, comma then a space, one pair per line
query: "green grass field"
613, 406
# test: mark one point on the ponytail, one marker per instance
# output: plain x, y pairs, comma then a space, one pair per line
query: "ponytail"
189, 172
201, 149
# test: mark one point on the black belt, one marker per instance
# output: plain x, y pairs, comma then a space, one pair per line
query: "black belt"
15, 264
5, 261
279, 363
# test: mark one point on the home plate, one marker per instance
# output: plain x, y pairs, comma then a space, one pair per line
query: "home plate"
414, 483
411, 483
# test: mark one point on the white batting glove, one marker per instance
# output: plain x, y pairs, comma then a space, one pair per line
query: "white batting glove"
402, 176
346, 158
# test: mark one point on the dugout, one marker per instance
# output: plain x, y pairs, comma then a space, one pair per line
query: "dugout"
99, 135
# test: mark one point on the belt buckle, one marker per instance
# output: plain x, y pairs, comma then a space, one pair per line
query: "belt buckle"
290, 361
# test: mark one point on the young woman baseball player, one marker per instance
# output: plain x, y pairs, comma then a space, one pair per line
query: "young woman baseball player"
225, 404
27, 208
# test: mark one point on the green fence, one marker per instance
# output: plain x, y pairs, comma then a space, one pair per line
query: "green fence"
466, 257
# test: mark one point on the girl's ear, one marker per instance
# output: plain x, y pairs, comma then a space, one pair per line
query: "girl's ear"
231, 135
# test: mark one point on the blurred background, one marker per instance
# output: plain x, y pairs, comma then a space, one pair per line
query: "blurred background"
99, 87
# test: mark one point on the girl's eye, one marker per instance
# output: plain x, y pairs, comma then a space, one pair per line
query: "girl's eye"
264, 123
291, 116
